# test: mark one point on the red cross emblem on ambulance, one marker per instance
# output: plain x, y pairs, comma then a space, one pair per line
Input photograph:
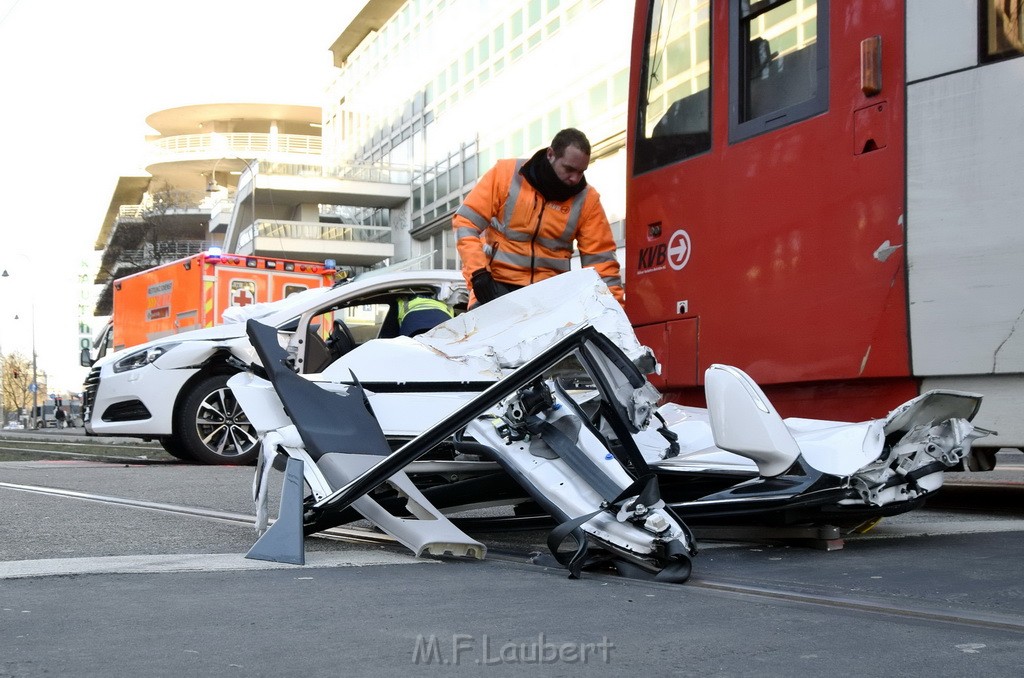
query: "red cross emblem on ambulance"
242, 297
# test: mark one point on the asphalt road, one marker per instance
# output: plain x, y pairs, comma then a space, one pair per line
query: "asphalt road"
158, 586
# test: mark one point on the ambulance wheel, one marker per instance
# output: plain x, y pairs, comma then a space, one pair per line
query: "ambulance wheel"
212, 426
173, 447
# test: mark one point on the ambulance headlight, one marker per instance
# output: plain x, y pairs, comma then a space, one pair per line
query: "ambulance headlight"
134, 361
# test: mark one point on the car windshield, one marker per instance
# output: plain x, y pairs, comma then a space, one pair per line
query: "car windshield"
284, 314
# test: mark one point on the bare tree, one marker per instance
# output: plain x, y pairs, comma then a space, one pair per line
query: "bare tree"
16, 375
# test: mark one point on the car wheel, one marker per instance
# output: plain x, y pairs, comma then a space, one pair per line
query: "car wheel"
175, 448
213, 428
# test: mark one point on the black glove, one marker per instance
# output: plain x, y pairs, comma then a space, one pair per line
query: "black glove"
484, 286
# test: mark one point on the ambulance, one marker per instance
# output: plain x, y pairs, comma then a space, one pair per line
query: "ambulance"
193, 293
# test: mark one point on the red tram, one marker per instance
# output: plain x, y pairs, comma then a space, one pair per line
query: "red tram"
827, 194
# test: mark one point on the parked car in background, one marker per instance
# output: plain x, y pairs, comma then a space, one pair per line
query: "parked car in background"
174, 389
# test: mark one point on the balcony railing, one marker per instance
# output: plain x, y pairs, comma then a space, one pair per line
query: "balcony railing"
379, 172
304, 230
234, 144
177, 200
131, 212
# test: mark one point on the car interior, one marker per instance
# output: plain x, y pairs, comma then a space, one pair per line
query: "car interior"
336, 330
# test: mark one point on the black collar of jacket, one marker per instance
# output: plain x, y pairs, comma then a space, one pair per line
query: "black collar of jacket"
541, 175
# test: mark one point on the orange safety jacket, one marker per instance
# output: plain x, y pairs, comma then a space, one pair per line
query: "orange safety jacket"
506, 226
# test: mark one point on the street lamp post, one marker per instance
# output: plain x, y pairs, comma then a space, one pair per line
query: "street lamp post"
35, 377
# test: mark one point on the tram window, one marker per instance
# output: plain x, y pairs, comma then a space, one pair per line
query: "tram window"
674, 113
1002, 29
779, 52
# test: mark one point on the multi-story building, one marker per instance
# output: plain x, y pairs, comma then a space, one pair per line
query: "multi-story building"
428, 94
247, 178
446, 87
184, 203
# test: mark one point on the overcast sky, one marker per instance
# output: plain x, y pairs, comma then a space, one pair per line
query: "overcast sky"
77, 80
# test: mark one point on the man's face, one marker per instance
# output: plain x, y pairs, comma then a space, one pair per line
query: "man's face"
569, 168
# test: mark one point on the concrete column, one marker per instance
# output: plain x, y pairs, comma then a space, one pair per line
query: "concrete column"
401, 224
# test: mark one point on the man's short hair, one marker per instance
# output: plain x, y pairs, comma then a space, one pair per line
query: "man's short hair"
570, 136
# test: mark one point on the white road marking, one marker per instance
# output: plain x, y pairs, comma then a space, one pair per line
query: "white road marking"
195, 562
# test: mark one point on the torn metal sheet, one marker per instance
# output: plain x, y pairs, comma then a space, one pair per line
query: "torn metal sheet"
555, 395
611, 516
486, 343
338, 439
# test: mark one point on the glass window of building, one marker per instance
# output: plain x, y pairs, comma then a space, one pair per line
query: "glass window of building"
533, 12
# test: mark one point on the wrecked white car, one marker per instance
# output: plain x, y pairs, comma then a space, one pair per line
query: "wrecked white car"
174, 389
547, 406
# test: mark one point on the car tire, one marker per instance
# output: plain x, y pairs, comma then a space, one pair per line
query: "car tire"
175, 448
212, 427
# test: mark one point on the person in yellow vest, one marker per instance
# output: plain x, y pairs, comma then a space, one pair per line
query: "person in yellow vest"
520, 222
419, 314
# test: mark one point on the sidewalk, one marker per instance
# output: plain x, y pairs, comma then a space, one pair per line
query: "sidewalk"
64, 434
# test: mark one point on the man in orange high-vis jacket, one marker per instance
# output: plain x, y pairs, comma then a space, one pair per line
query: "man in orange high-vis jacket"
518, 224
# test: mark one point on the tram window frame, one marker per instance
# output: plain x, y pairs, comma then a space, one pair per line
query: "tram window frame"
741, 63
987, 51
673, 139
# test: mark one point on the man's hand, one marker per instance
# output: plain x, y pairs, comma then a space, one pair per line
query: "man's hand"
484, 286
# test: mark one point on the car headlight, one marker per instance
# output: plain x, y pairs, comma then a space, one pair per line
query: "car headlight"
134, 361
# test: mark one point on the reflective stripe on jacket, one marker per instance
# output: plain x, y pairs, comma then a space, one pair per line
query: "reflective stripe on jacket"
421, 304
506, 226
419, 314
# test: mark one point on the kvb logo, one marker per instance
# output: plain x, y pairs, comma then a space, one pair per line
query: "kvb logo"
675, 254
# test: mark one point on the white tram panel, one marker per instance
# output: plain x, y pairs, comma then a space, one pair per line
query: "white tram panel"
965, 206
965, 237
942, 37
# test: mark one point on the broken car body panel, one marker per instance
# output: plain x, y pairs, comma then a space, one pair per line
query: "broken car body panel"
739, 436
332, 439
597, 501
563, 352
